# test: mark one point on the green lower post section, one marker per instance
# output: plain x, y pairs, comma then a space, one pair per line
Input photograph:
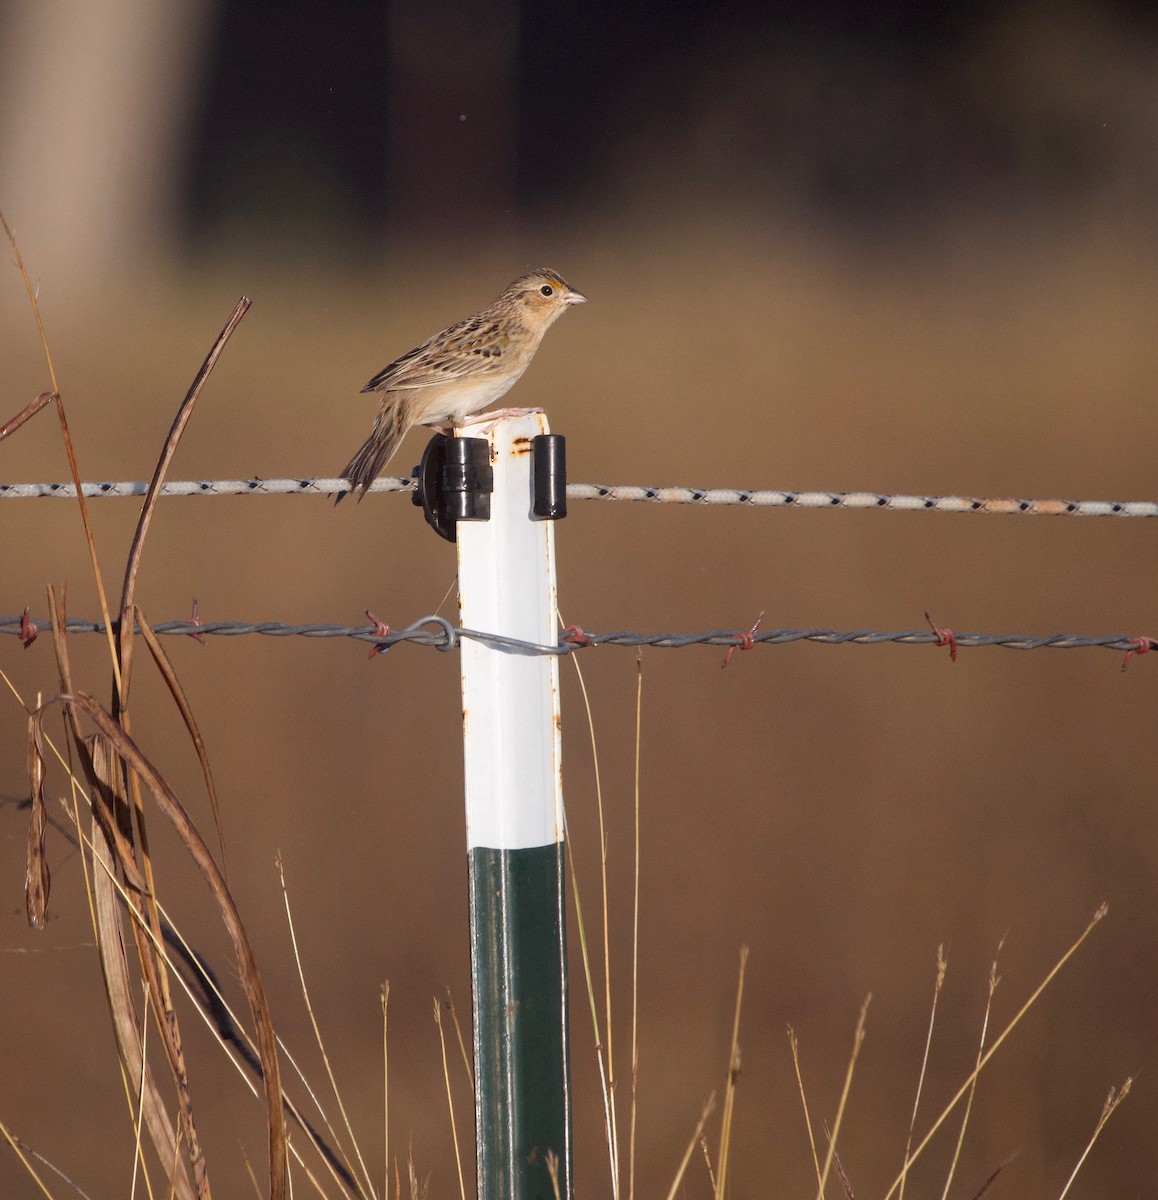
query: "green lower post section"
522, 1076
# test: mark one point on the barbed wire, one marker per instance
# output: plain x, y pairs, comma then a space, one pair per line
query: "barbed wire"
439, 633
750, 497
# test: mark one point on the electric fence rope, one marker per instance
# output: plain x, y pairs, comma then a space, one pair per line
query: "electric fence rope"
743, 497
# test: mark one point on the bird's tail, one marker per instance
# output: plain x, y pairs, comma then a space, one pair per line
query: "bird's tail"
390, 427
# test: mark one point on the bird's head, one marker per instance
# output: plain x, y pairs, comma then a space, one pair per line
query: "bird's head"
543, 296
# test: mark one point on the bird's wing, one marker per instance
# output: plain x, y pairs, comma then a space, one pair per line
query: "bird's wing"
473, 347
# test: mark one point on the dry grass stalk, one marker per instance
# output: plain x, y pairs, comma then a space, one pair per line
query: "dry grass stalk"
132, 756
942, 967
461, 1040
635, 934
964, 1088
708, 1162
116, 730
67, 439
319, 1040
110, 845
1116, 1096
838, 1166
606, 1081
697, 1134
101, 888
449, 1101
419, 1188
138, 1149
612, 1119
26, 413
857, 1042
19, 1148
552, 1160
223, 1022
795, 1045
385, 998
730, 1086
153, 966
994, 979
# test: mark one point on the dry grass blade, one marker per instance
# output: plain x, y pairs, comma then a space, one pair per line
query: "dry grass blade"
26, 1152
844, 1180
609, 1056
553, 1170
318, 1034
635, 936
589, 984
419, 1188
138, 1154
857, 1042
961, 1091
449, 1101
804, 1100
942, 967
708, 1162
1116, 1096
733, 1079
26, 413
461, 1040
126, 749
154, 492
16, 1145
606, 1084
73, 468
692, 1142
994, 979
385, 1088
179, 698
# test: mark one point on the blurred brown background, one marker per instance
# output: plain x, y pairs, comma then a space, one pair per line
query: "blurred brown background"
826, 246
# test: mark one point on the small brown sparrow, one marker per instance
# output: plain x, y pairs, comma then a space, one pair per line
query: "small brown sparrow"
460, 371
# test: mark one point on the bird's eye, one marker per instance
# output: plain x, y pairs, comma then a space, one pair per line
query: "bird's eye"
546, 290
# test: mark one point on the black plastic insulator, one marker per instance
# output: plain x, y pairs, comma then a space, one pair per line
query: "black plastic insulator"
468, 479
428, 487
549, 468
454, 483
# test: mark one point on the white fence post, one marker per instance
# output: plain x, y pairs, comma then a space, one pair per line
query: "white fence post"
514, 817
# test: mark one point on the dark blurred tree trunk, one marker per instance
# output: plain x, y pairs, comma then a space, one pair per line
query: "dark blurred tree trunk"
453, 119
94, 104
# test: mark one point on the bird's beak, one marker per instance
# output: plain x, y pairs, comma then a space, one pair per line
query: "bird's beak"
573, 297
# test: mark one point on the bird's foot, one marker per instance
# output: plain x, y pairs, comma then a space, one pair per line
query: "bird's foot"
484, 422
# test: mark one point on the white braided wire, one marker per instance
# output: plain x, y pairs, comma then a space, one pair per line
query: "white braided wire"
755, 498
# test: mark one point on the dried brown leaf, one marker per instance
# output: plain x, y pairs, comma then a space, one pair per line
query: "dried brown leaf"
165, 666
184, 412
37, 877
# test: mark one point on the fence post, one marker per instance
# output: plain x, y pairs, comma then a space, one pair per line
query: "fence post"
514, 817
